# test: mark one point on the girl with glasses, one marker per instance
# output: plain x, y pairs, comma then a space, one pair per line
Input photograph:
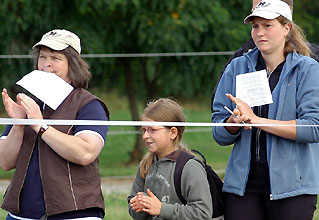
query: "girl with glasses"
153, 191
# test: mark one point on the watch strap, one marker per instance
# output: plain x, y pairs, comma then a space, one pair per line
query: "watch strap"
43, 128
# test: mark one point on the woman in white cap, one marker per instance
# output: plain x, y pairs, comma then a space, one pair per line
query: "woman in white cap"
56, 167
272, 172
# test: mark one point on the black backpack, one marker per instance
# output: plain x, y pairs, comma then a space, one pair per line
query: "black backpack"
215, 183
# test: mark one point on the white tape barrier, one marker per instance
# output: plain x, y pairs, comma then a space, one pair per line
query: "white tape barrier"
194, 130
13, 121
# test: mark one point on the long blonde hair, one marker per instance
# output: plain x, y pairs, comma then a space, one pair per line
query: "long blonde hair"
167, 110
295, 40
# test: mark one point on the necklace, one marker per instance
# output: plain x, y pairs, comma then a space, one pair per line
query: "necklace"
269, 73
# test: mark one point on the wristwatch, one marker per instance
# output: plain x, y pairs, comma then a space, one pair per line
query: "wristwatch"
43, 128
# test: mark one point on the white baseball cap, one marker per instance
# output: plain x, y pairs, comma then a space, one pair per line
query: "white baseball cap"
270, 9
59, 40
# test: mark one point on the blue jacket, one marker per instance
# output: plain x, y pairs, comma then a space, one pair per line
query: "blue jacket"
293, 165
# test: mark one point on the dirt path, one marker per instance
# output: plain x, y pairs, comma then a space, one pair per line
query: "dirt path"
109, 184
117, 184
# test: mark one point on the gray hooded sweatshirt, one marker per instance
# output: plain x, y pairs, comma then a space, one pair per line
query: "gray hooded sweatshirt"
160, 180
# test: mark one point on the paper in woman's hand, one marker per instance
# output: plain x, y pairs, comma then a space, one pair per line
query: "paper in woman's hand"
253, 88
48, 87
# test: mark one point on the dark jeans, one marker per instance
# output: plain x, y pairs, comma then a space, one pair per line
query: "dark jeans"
255, 206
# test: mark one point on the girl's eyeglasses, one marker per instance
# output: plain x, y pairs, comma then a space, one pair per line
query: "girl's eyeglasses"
151, 130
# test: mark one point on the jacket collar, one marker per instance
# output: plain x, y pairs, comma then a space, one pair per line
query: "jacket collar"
292, 59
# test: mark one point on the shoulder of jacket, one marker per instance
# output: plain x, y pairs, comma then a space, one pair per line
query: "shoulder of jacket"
295, 59
194, 164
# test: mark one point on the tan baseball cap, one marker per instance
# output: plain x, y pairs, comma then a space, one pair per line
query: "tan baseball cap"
59, 40
270, 9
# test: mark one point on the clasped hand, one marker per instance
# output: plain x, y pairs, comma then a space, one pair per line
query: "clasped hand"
243, 111
146, 203
25, 107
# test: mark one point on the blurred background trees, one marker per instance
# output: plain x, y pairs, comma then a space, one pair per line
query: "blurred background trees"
138, 26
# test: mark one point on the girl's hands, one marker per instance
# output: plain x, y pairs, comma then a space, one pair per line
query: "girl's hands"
149, 204
152, 205
135, 203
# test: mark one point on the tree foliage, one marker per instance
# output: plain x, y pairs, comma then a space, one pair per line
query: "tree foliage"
306, 16
122, 26
138, 26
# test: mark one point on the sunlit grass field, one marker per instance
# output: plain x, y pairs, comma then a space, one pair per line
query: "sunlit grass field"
114, 157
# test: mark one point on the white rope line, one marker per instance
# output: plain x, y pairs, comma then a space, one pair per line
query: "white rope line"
119, 55
195, 130
13, 121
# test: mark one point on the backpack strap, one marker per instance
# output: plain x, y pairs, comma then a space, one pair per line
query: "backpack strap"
215, 183
216, 188
199, 153
181, 160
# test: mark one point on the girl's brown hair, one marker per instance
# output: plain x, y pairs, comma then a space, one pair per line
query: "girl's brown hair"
166, 110
78, 73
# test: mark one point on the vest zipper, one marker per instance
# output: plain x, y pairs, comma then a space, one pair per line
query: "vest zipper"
70, 177
71, 186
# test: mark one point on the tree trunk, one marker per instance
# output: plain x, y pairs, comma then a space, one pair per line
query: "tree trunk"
137, 154
149, 84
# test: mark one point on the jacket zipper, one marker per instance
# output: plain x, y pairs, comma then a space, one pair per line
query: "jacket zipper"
258, 137
258, 129
270, 196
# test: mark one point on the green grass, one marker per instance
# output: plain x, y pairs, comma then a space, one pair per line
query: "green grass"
115, 154
116, 208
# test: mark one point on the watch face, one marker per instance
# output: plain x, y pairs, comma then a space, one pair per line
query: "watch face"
44, 127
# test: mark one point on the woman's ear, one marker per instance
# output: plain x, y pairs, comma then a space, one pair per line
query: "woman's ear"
288, 28
173, 133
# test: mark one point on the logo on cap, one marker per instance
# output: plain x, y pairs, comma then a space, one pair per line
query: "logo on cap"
52, 33
59, 40
262, 5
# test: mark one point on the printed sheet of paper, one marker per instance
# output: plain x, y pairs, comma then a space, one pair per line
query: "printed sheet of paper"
48, 87
253, 88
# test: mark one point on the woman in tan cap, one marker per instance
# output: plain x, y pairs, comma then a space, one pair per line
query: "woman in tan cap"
272, 173
56, 167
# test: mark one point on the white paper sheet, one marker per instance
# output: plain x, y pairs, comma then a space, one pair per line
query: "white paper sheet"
48, 87
253, 88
